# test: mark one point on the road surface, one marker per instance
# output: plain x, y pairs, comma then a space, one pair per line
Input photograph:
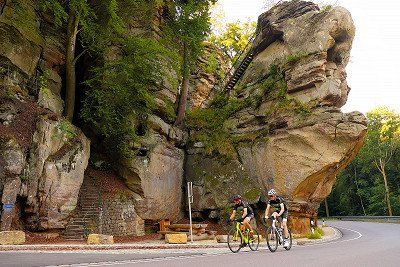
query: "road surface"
362, 244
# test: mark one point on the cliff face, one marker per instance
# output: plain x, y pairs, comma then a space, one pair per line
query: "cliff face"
292, 136
285, 129
43, 157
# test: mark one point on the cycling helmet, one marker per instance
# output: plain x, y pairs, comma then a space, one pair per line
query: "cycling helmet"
235, 197
271, 192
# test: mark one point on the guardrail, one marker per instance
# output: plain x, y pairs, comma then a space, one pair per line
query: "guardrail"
392, 219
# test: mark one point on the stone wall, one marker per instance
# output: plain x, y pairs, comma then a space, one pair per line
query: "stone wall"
119, 217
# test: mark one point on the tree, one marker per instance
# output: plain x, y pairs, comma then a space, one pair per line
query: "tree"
189, 23
234, 38
383, 141
80, 17
370, 183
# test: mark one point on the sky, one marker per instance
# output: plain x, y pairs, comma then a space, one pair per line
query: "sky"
373, 72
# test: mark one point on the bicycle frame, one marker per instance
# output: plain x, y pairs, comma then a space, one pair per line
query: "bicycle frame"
245, 238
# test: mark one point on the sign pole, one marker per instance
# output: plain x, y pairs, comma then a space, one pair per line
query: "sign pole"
190, 201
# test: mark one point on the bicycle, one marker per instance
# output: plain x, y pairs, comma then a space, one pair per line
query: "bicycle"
237, 239
274, 236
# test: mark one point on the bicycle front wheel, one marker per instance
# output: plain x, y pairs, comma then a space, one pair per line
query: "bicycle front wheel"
234, 240
290, 241
272, 239
254, 241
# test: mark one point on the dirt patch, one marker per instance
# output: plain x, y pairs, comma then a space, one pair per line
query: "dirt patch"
136, 239
23, 124
40, 238
108, 182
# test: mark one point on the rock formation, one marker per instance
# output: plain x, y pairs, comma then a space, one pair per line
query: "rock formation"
43, 157
280, 127
289, 133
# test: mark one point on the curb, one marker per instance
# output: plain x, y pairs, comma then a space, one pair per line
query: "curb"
79, 247
338, 234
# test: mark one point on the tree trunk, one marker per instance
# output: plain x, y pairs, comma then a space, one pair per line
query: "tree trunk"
326, 207
387, 193
70, 81
355, 180
185, 87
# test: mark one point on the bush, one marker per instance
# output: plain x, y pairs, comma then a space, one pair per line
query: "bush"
320, 231
314, 235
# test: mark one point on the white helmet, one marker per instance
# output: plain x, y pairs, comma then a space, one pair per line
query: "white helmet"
271, 192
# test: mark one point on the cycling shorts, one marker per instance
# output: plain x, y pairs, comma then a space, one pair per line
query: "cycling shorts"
249, 217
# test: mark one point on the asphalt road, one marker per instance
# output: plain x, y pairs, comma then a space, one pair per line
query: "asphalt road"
362, 244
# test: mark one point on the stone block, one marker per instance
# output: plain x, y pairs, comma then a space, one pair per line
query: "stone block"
12, 237
222, 238
176, 238
97, 239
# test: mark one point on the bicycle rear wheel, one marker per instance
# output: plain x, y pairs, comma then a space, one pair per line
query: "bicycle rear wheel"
272, 239
234, 240
254, 241
290, 241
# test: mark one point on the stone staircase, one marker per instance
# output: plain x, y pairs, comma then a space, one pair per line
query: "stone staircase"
87, 213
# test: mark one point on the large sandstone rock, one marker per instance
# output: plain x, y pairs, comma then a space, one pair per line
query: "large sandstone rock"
176, 238
215, 182
58, 159
12, 162
156, 175
12, 237
97, 239
292, 135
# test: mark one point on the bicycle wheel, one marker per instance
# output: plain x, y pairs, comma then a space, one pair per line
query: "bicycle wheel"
272, 239
254, 241
234, 240
290, 241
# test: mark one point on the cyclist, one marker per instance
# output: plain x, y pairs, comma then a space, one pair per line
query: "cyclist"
281, 212
247, 214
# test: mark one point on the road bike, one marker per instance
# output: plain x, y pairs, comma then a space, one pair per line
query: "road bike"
238, 239
274, 236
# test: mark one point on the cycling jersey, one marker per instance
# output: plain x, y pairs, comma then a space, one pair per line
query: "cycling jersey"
277, 203
244, 204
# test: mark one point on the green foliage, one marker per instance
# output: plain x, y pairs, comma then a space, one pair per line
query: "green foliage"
212, 63
56, 9
234, 38
314, 235
67, 130
169, 109
294, 58
189, 24
326, 8
207, 125
361, 184
320, 231
275, 84
120, 90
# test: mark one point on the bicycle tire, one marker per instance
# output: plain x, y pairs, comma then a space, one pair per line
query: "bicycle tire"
254, 242
234, 243
272, 239
290, 241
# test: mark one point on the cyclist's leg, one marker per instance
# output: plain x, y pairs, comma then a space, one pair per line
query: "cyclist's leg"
246, 222
284, 224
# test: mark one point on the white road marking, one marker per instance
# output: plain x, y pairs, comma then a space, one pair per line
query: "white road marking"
340, 241
167, 258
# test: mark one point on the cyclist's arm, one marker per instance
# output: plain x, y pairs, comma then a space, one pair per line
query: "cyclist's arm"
282, 209
233, 215
267, 210
244, 213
